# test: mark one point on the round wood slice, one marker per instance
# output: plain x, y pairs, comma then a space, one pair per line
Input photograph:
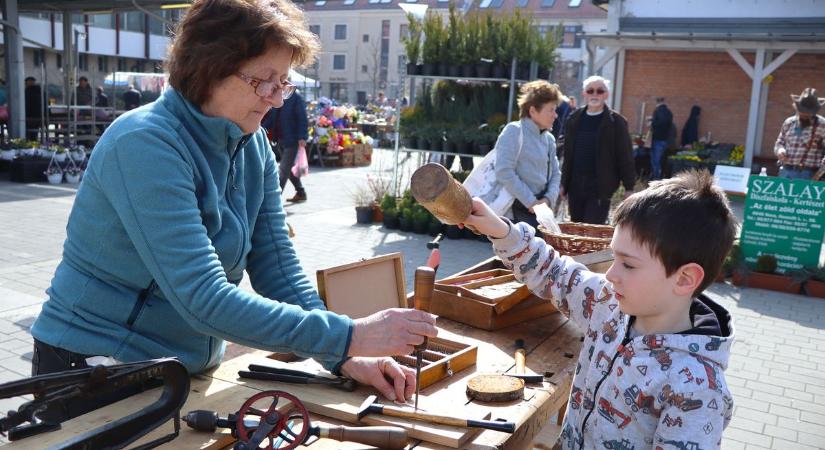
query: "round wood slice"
495, 388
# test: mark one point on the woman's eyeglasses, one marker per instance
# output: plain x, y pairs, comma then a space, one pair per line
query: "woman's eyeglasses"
599, 91
268, 88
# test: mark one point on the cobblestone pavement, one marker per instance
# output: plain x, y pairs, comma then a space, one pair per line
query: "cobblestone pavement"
775, 370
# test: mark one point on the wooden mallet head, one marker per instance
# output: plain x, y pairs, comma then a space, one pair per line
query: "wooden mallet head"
434, 188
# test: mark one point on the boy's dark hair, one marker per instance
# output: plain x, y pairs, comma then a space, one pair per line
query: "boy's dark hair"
681, 220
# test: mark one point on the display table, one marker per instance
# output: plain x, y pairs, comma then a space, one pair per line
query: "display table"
552, 344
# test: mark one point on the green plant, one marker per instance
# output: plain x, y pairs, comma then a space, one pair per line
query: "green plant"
766, 263
412, 41
389, 212
407, 214
433, 28
388, 202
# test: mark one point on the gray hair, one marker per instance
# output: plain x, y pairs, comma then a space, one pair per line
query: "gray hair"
593, 79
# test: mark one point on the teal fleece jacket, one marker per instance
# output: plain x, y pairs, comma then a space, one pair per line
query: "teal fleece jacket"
173, 207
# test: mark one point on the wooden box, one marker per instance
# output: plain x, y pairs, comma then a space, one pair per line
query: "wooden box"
344, 291
497, 287
442, 359
482, 314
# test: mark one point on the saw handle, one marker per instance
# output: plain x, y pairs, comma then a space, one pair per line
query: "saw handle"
391, 438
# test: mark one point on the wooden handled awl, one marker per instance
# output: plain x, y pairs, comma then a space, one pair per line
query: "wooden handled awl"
370, 406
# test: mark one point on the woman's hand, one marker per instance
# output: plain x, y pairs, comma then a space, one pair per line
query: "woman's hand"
391, 332
539, 202
483, 220
392, 380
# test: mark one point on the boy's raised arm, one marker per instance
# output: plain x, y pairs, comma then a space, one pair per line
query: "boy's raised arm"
577, 292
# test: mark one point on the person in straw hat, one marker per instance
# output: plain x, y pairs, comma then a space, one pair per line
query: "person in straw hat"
801, 140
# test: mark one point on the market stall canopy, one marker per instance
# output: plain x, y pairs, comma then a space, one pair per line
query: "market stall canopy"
92, 6
307, 85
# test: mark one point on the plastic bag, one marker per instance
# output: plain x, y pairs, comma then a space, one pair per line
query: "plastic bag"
301, 166
546, 218
482, 182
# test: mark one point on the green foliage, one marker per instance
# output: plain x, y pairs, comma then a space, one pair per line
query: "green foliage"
390, 212
433, 35
766, 263
388, 202
412, 41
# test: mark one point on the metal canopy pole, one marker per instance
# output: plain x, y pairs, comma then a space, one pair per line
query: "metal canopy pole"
14, 69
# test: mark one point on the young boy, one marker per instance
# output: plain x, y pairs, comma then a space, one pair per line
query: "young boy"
650, 373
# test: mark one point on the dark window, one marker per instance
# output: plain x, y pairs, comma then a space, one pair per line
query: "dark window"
315, 29
121, 64
39, 57
102, 64
132, 21
339, 62
364, 68
59, 61
403, 30
83, 61
338, 91
340, 32
365, 38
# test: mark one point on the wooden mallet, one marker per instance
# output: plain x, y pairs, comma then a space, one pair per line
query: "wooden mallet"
434, 188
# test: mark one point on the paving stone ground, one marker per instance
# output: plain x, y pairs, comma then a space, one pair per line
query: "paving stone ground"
776, 370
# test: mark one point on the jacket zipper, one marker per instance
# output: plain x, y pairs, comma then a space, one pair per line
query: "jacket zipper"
141, 301
233, 187
625, 340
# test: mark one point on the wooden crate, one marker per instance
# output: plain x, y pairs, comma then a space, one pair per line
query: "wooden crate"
443, 359
483, 315
497, 287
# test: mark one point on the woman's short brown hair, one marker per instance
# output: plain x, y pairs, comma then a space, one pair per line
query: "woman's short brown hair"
536, 94
216, 37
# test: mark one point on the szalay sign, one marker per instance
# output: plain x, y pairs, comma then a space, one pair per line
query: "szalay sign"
784, 218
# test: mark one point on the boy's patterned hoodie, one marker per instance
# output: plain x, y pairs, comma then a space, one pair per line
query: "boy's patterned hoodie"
661, 391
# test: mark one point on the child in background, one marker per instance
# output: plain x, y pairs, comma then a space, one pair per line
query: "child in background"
651, 371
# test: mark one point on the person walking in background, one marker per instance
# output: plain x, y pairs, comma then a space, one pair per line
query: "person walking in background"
660, 127
84, 92
801, 141
526, 163
101, 111
131, 98
690, 133
34, 108
288, 127
563, 112
598, 155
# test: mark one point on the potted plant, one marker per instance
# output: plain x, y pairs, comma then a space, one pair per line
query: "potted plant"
420, 219
73, 175
390, 218
379, 187
60, 153
363, 204
764, 276
430, 51
815, 284
405, 219
54, 175
7, 152
412, 44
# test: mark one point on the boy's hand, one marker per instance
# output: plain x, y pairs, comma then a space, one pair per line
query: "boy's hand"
483, 220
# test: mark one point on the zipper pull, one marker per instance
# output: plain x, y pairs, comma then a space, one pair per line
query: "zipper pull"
232, 176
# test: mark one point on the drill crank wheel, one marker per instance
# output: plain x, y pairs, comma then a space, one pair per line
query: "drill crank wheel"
291, 422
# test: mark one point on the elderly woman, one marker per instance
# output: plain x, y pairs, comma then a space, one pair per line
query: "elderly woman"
526, 163
180, 197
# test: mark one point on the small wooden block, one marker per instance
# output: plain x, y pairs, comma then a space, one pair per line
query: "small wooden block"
495, 388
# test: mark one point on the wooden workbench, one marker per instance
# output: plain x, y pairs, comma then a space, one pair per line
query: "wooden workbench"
552, 344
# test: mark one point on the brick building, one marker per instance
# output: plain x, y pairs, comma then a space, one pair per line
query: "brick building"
739, 65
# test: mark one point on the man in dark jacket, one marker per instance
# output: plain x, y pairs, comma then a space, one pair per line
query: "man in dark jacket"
660, 127
289, 128
598, 155
131, 98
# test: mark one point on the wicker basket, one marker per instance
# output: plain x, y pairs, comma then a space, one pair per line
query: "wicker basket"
578, 238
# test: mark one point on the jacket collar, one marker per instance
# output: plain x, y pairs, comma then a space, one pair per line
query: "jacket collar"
211, 131
530, 126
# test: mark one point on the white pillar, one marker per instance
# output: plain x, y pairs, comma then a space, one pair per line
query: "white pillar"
753, 112
618, 82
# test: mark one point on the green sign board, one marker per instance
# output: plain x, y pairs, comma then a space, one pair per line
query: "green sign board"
784, 218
